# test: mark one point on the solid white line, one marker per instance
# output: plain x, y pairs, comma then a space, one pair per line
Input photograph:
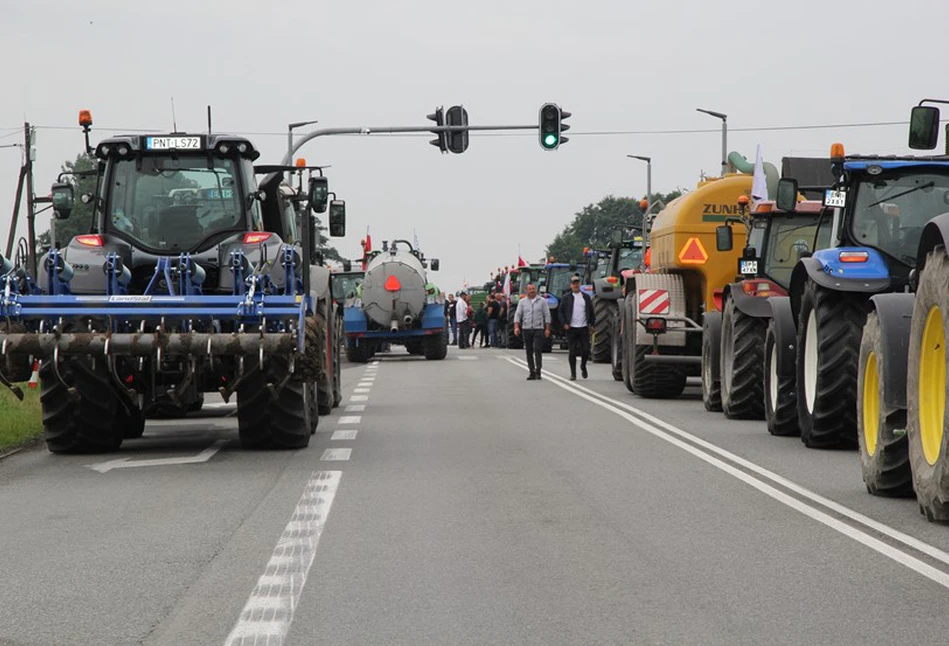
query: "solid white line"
355, 408
361, 390
928, 571
350, 419
836, 507
336, 455
267, 616
344, 435
359, 398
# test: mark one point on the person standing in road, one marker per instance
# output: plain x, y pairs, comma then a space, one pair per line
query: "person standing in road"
481, 326
533, 318
577, 317
502, 303
461, 316
450, 306
494, 312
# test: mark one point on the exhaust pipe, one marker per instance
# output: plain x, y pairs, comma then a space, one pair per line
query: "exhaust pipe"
394, 326
408, 320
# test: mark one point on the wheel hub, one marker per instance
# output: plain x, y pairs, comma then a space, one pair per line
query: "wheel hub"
871, 405
932, 385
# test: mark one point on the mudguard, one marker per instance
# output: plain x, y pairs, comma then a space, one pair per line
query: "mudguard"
756, 306
433, 317
354, 320
935, 234
825, 269
895, 313
785, 333
608, 291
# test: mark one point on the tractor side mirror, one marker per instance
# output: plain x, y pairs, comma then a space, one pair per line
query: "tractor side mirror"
347, 265
787, 194
318, 194
63, 199
434, 263
924, 127
616, 238
337, 218
723, 238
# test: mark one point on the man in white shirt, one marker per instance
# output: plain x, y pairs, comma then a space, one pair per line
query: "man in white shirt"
577, 317
461, 314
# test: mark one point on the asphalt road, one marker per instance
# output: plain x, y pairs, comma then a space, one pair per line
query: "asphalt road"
460, 504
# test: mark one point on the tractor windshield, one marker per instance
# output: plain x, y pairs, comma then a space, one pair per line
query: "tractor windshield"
630, 258
530, 275
559, 281
789, 238
173, 204
892, 208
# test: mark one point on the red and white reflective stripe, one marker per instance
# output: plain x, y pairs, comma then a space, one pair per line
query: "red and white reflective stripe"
654, 301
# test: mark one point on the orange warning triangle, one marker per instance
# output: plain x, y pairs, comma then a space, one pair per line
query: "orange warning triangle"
693, 253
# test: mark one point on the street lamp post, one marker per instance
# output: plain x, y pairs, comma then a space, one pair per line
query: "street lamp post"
648, 161
290, 129
724, 118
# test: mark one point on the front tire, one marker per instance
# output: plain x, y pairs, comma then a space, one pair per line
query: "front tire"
741, 364
828, 345
604, 310
711, 377
881, 433
780, 403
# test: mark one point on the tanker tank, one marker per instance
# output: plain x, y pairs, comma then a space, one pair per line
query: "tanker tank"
397, 305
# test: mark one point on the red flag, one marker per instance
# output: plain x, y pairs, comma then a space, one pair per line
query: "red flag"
368, 240
520, 261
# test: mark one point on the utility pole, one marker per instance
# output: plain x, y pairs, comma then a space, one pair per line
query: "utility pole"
30, 197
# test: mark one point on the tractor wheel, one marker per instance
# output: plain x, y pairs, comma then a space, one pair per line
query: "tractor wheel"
338, 349
415, 347
742, 363
881, 433
79, 418
711, 370
651, 380
780, 404
616, 343
435, 347
313, 407
131, 421
196, 405
270, 418
312, 365
604, 310
514, 342
627, 346
926, 389
358, 353
828, 344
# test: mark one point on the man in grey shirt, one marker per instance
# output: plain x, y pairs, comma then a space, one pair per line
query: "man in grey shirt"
533, 318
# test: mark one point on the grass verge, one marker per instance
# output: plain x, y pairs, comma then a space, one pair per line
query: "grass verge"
20, 421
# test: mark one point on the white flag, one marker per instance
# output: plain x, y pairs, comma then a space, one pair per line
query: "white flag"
506, 290
759, 186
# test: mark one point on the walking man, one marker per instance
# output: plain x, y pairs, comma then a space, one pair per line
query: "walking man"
533, 319
450, 306
461, 315
577, 317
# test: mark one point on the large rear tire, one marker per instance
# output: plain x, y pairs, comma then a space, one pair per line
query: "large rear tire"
435, 347
651, 380
358, 353
711, 368
881, 433
131, 421
604, 310
268, 419
926, 389
780, 403
627, 344
338, 349
81, 418
828, 344
616, 343
742, 363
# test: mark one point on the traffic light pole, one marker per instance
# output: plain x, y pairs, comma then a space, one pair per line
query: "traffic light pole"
385, 130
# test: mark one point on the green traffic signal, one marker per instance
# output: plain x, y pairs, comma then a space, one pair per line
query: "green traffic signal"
551, 126
550, 141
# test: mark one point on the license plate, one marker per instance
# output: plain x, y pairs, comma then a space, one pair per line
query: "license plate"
835, 199
172, 143
748, 267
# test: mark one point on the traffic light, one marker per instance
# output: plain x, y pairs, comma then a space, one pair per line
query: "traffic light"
458, 140
439, 118
552, 126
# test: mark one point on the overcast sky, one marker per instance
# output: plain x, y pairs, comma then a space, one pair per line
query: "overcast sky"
618, 65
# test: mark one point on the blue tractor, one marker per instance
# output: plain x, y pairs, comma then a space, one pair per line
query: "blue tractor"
192, 277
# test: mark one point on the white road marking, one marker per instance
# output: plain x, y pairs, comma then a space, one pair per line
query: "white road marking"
364, 384
267, 616
344, 435
355, 408
336, 455
128, 463
928, 571
368, 378
216, 405
361, 390
350, 419
359, 398
468, 358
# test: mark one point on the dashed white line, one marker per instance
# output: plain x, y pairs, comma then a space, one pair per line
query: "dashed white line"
344, 435
468, 358
355, 408
336, 455
361, 390
350, 419
364, 384
267, 616
359, 398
